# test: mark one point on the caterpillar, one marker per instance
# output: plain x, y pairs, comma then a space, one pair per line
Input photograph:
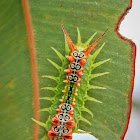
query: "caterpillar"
64, 121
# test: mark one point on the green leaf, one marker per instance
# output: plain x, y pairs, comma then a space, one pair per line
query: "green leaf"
18, 90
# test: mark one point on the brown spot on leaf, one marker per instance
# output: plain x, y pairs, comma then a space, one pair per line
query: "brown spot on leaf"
10, 84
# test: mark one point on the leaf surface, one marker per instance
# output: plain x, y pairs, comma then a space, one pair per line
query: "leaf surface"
110, 118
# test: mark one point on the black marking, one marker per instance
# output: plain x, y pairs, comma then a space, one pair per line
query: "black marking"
78, 67
81, 55
66, 117
70, 77
60, 116
74, 72
73, 78
53, 134
56, 129
76, 60
78, 55
75, 54
65, 130
69, 92
72, 66
65, 107
75, 66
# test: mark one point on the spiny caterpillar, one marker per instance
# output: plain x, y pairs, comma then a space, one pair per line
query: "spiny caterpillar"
62, 123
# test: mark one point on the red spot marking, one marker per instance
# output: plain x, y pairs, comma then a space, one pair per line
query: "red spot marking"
33, 65
133, 56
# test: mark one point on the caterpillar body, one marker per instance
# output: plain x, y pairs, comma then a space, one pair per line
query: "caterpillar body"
60, 126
